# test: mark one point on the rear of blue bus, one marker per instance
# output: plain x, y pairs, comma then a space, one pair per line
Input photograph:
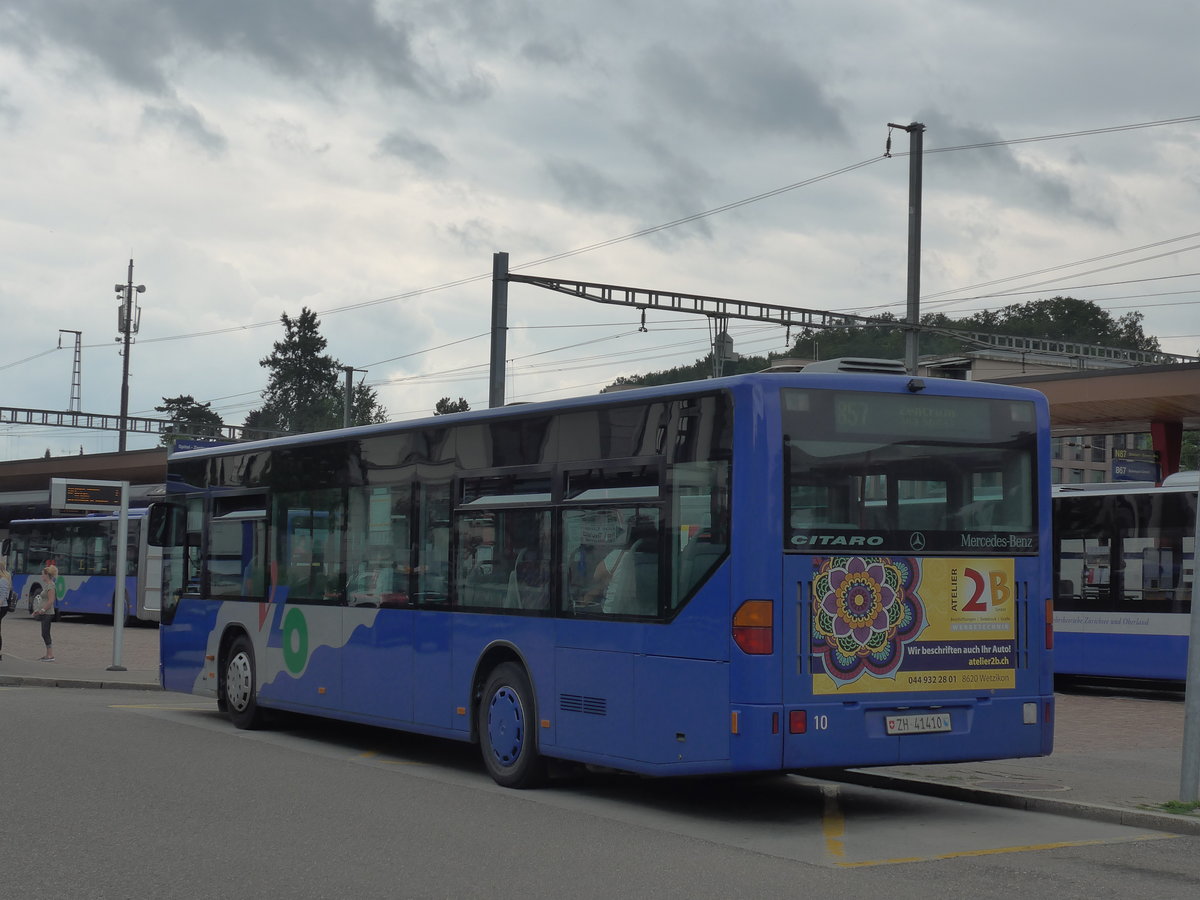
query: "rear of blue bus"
913, 620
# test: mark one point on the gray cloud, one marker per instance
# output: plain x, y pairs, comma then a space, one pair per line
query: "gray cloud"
8, 111
138, 42
414, 150
746, 85
293, 137
550, 52
476, 236
999, 170
186, 121
675, 188
583, 185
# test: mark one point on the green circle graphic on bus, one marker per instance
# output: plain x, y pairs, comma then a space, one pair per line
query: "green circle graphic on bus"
295, 640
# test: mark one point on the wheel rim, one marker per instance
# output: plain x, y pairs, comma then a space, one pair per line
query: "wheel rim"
506, 726
239, 681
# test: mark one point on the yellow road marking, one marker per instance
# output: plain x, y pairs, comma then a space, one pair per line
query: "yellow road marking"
1018, 849
833, 822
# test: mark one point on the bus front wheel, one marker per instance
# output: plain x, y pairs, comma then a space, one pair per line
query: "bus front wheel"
239, 688
507, 731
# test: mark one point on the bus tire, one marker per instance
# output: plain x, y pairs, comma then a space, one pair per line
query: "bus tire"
239, 685
33, 593
507, 729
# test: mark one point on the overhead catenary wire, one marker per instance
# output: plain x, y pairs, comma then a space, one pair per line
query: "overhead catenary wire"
684, 220
933, 298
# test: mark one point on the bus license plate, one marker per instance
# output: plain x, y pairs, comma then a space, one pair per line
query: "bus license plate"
922, 724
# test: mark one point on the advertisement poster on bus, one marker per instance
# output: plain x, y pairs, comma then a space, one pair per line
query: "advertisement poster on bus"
893, 623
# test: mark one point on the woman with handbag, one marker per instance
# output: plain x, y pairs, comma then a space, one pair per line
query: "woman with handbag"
44, 610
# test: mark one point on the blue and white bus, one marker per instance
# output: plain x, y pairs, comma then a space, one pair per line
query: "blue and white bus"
768, 572
84, 548
1126, 562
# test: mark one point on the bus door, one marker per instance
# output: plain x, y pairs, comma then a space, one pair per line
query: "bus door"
375, 593
150, 583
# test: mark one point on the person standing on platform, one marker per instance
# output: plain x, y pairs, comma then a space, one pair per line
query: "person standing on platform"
43, 609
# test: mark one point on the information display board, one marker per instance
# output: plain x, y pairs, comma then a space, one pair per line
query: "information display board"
72, 493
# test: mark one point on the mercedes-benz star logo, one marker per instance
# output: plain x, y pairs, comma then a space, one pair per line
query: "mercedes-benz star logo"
917, 541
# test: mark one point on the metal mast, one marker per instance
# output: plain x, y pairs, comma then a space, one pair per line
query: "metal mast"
76, 402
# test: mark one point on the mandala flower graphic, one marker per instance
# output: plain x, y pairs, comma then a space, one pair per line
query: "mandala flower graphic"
865, 610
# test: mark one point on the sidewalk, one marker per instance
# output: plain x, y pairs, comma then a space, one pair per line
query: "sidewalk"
83, 652
1115, 758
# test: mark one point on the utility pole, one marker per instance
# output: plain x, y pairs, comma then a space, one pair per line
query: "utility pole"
348, 402
127, 324
499, 329
1189, 774
916, 140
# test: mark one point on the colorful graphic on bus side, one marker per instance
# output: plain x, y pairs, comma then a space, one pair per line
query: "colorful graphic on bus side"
885, 624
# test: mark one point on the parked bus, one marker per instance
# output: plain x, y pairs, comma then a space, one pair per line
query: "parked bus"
1126, 562
84, 548
766, 572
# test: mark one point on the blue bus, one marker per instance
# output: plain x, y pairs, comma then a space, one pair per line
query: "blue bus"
84, 548
761, 573
1125, 565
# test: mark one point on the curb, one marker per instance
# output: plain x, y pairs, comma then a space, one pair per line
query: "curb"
1116, 815
37, 681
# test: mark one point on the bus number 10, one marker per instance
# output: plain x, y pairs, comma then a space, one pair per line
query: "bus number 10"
820, 722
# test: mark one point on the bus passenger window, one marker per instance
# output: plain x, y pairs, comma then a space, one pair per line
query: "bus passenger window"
527, 537
632, 572
309, 530
612, 561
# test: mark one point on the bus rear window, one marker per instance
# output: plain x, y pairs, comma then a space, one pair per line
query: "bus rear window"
888, 472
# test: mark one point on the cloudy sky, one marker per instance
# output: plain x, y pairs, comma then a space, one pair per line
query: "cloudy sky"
365, 158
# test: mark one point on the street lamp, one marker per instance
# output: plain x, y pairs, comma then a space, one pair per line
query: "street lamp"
127, 324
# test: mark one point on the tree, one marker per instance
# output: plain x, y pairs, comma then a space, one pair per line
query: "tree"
365, 408
304, 392
1065, 319
1189, 451
1058, 318
189, 419
446, 406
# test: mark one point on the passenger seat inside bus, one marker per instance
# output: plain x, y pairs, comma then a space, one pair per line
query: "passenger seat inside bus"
485, 585
695, 560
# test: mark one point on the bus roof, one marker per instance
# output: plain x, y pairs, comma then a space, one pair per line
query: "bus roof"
88, 517
823, 377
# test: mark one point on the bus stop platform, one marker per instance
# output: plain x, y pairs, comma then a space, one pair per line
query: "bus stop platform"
83, 654
1117, 758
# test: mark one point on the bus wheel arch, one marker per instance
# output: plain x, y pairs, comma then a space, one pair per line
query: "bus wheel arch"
34, 591
506, 724
237, 685
130, 620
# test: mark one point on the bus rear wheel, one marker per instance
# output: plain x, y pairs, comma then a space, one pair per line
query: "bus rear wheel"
239, 685
507, 733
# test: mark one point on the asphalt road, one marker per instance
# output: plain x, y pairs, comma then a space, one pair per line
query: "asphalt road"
123, 793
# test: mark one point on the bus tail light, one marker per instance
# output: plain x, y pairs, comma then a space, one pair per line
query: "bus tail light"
753, 628
1049, 624
798, 721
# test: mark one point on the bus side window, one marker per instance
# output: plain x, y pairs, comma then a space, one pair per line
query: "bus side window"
433, 544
